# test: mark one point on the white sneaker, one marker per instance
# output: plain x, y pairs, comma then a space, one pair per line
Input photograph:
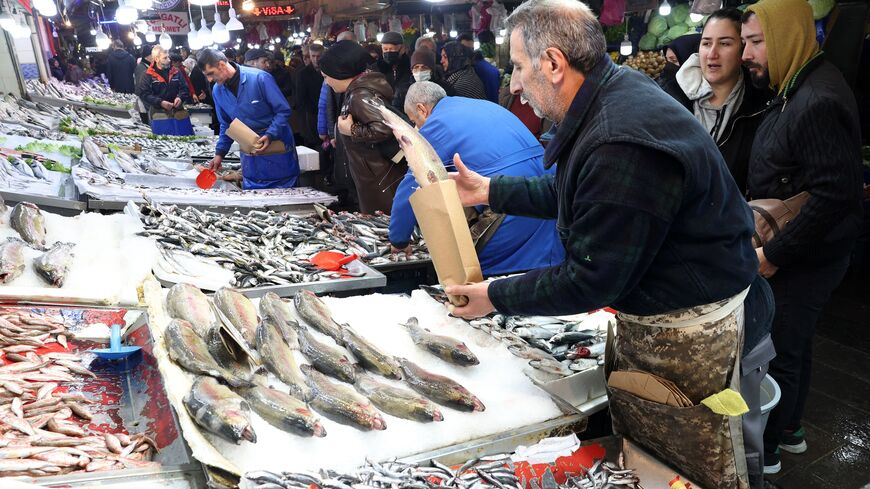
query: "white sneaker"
772, 469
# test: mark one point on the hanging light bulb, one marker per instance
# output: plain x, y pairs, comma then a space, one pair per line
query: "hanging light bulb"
165, 41
476, 44
695, 18
249, 46
54, 32
499, 39
234, 24
204, 35
625, 48
193, 40
126, 15
277, 40
219, 31
271, 47
93, 31
665, 9
308, 29
67, 22
454, 33
247, 5
379, 36
131, 35
102, 40
137, 41
150, 37
46, 8
502, 32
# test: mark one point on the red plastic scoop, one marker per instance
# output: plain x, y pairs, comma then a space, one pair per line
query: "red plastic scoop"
332, 260
206, 179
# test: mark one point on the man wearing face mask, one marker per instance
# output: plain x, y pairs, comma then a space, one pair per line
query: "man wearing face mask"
505, 244
396, 67
423, 68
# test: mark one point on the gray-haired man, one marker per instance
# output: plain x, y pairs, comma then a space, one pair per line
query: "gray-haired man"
653, 225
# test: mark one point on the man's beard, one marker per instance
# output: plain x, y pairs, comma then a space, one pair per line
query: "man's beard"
760, 75
538, 112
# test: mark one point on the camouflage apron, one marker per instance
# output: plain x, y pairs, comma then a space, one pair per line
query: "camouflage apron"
698, 350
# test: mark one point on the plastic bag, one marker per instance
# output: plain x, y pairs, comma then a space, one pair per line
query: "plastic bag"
612, 13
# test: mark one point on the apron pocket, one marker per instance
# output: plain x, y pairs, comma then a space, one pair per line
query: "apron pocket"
694, 440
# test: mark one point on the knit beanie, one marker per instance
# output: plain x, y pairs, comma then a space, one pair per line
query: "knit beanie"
345, 59
392, 37
423, 57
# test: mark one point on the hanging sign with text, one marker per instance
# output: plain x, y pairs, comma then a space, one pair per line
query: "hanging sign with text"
172, 22
273, 11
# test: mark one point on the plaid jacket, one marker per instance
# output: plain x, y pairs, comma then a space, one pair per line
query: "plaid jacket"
650, 218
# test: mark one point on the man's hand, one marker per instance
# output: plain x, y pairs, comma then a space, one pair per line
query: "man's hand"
166, 105
215, 163
324, 137
473, 188
262, 144
201, 96
177, 102
332, 142
765, 268
345, 124
478, 300
406, 250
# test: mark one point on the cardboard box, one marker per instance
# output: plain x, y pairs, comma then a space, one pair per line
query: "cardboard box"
442, 222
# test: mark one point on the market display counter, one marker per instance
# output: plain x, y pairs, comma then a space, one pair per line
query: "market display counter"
57, 205
119, 112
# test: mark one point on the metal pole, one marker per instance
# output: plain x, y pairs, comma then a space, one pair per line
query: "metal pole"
38, 51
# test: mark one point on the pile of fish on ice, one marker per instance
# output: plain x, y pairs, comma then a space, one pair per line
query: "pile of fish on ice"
228, 346
43, 428
88, 91
493, 471
560, 347
53, 265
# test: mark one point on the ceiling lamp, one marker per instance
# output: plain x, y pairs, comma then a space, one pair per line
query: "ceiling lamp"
247, 5
102, 40
150, 37
271, 47
234, 24
625, 48
203, 3
137, 41
46, 8
141, 4
193, 40
219, 31
499, 39
131, 35
141, 26
67, 22
204, 35
476, 44
665, 9
165, 41
126, 15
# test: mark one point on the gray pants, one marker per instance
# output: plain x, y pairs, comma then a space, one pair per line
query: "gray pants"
753, 368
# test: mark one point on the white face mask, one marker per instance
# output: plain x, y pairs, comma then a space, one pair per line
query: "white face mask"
423, 75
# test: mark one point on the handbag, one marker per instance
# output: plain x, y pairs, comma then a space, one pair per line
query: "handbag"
772, 215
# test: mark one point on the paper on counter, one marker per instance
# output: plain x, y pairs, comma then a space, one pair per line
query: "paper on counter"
547, 450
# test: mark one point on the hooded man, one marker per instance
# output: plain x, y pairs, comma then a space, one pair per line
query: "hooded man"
163, 90
808, 141
251, 96
121, 68
509, 244
456, 59
424, 68
373, 155
396, 67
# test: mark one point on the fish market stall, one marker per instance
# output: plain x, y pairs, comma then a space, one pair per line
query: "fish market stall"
32, 169
81, 419
258, 252
86, 259
493, 395
90, 94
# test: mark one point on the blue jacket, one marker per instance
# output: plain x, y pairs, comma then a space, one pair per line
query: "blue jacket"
521, 243
260, 105
322, 127
491, 79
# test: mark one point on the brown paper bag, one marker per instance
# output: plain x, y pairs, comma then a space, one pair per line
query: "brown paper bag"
647, 386
442, 221
247, 139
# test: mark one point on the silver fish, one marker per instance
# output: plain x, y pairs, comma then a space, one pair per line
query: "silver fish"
11, 259
27, 219
54, 264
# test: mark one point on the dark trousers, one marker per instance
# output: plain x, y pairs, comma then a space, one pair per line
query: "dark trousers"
800, 296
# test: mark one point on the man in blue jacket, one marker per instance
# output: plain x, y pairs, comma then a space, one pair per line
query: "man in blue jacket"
252, 96
452, 125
